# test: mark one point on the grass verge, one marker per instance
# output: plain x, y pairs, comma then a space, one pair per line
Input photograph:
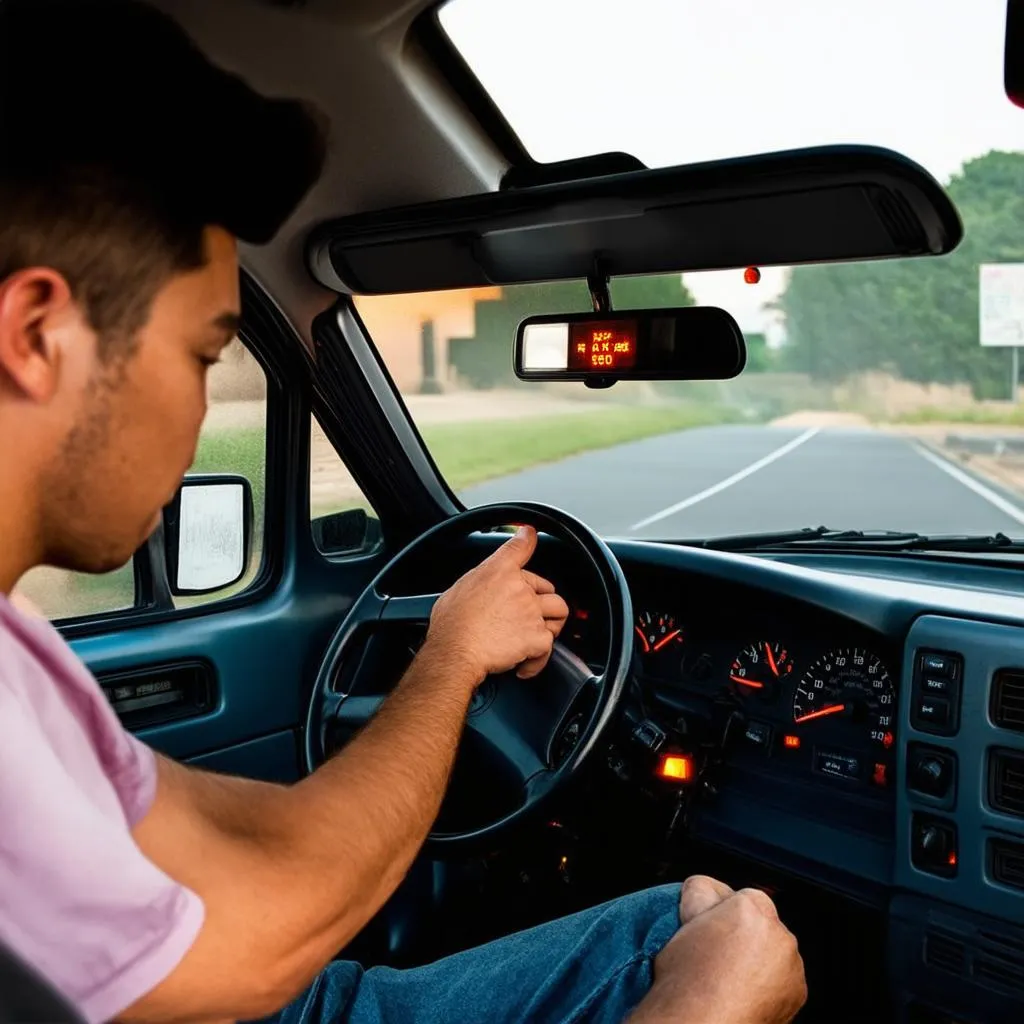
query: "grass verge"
1008, 417
472, 452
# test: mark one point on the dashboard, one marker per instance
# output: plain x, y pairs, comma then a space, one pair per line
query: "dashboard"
816, 697
876, 707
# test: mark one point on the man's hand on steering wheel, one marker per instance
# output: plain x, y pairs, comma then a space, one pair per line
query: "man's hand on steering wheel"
499, 616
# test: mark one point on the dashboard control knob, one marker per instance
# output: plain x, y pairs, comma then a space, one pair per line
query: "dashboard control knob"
931, 772
933, 841
933, 845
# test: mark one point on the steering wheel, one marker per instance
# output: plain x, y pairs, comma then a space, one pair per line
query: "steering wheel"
523, 723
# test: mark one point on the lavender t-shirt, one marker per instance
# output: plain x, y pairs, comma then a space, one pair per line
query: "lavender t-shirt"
78, 900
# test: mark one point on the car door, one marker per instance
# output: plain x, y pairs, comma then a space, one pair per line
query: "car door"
221, 680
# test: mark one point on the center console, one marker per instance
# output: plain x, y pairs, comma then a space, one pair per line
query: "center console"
956, 940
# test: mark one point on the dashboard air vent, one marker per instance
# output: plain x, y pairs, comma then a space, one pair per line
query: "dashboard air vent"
945, 952
1008, 700
1006, 781
1004, 973
1007, 861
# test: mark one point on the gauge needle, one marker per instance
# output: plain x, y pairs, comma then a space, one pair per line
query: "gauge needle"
667, 639
771, 659
643, 639
832, 709
752, 683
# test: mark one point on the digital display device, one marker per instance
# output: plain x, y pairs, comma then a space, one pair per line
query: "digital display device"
687, 343
602, 347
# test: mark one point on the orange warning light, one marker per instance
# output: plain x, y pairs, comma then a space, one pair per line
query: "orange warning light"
675, 768
791, 742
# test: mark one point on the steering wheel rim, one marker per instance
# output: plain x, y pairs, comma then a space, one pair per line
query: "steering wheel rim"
491, 705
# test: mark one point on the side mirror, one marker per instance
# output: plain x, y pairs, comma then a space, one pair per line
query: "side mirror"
208, 533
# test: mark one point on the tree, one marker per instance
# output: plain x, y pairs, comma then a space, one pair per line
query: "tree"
484, 359
916, 318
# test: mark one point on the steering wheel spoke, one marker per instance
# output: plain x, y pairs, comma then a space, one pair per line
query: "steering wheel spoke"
408, 609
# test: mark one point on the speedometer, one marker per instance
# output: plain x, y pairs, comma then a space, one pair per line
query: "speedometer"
850, 689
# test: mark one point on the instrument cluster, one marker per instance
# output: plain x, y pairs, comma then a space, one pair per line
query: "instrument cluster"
813, 697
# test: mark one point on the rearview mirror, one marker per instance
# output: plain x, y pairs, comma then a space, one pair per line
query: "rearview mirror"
689, 343
208, 533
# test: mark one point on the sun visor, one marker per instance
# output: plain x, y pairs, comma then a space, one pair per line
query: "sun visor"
817, 205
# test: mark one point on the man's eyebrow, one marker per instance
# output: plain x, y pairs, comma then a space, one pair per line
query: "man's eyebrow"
229, 322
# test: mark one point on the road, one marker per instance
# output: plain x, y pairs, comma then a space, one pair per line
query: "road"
716, 481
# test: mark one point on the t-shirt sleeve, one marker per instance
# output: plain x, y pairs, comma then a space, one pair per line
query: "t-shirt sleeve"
80, 901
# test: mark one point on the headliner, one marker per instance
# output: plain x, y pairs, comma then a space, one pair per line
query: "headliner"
399, 132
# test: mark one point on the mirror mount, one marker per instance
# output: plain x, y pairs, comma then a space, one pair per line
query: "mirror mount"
601, 297
597, 283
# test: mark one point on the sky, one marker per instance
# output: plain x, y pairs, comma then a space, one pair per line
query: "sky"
679, 81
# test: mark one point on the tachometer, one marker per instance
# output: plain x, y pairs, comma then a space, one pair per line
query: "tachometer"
758, 668
848, 687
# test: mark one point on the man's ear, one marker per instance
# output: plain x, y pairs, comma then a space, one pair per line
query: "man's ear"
36, 310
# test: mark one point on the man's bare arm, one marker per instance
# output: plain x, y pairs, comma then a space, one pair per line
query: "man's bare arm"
289, 875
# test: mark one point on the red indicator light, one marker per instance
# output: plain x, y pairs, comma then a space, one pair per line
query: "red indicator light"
791, 742
751, 275
675, 768
887, 740
881, 775
951, 859
582, 613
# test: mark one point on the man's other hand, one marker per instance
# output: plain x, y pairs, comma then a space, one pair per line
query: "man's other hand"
499, 616
732, 962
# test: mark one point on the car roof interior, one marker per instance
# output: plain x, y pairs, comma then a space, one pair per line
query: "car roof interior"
416, 142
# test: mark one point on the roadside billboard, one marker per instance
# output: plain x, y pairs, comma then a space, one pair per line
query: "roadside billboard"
1001, 305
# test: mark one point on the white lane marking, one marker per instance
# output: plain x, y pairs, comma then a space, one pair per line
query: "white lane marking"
728, 481
1004, 506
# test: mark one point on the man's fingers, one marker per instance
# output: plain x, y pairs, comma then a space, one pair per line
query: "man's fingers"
553, 607
520, 547
764, 903
532, 667
701, 893
539, 584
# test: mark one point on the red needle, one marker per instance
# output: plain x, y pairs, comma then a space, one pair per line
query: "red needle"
832, 709
771, 659
752, 683
643, 639
666, 639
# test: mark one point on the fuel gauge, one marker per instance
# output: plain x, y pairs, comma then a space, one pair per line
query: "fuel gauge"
657, 634
759, 668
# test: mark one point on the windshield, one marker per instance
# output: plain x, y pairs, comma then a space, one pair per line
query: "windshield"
877, 396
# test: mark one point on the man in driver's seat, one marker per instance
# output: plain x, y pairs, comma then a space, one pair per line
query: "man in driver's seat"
145, 890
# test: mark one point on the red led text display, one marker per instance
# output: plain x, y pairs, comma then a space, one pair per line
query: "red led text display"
602, 347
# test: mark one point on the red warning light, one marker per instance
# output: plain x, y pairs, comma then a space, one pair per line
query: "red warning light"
751, 275
951, 859
887, 740
880, 777
791, 742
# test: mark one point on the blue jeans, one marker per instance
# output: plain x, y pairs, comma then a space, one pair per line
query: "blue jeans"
594, 966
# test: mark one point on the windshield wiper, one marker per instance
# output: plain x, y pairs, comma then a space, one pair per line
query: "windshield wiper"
809, 536
887, 540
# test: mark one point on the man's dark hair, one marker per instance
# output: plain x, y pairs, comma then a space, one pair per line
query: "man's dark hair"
121, 142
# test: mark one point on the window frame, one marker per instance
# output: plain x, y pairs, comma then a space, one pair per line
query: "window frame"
270, 340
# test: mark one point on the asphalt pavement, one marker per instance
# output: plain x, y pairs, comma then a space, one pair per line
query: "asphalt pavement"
717, 481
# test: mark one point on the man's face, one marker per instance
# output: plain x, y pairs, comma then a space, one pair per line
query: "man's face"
127, 427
